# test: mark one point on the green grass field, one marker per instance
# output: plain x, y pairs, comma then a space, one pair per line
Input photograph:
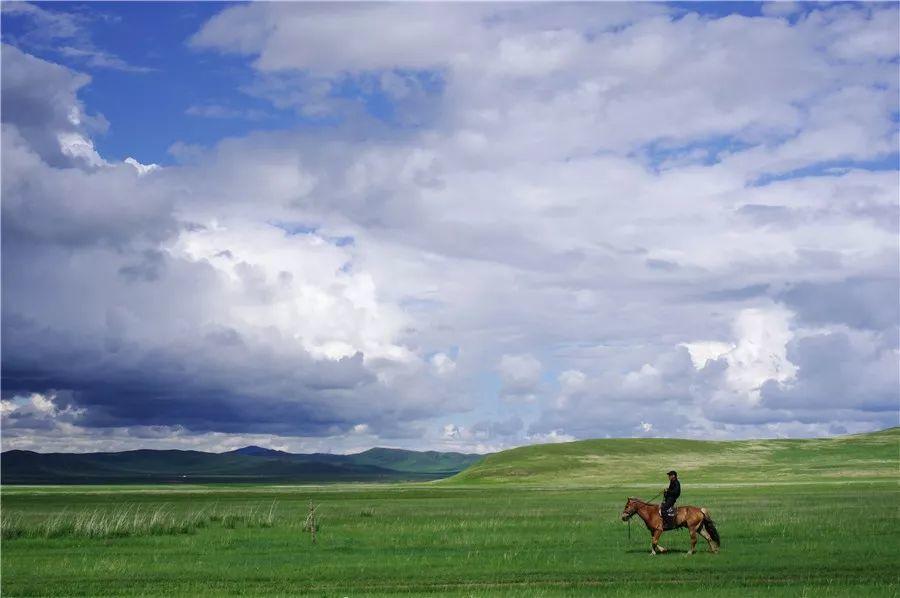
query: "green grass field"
833, 535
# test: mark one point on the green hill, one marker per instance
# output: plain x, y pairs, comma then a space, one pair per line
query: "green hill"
645, 460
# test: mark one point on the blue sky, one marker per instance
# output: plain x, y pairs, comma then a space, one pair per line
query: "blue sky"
458, 226
147, 110
150, 108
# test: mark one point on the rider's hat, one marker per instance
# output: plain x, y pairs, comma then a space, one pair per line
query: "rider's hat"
673, 472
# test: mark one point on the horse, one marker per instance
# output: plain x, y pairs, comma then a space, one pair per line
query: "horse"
696, 520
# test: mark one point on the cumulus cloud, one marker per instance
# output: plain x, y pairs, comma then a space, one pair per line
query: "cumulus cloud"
37, 410
55, 124
758, 355
187, 314
623, 219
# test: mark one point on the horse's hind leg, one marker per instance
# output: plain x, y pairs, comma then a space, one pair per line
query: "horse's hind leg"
693, 531
707, 537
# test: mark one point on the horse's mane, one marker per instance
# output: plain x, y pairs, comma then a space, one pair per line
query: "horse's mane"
640, 500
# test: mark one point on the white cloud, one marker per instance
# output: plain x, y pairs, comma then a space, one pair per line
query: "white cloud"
142, 169
704, 351
38, 411
451, 432
443, 364
78, 147
758, 353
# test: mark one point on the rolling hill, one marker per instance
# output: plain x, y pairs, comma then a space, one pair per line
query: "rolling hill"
248, 464
619, 461
645, 460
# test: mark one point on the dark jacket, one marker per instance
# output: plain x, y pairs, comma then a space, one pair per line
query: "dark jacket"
673, 492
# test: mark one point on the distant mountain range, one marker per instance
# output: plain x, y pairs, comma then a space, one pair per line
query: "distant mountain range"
248, 464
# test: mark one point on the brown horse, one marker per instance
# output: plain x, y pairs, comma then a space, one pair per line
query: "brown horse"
696, 520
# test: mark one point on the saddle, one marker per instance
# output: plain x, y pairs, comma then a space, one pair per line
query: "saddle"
668, 517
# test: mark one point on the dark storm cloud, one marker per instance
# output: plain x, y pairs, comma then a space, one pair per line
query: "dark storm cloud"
201, 387
148, 351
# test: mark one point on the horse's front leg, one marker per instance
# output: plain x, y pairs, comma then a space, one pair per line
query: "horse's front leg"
654, 542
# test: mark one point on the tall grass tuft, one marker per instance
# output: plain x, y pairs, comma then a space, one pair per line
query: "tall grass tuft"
311, 524
131, 521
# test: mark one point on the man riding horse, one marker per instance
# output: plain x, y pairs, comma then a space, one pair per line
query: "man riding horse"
660, 518
670, 495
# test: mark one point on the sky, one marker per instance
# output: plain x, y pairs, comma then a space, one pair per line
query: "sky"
327, 227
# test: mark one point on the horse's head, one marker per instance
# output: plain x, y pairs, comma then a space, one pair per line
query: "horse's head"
630, 509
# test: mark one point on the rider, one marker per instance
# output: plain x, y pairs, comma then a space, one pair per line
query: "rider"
670, 495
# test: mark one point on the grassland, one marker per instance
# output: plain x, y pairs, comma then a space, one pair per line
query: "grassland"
861, 457
813, 535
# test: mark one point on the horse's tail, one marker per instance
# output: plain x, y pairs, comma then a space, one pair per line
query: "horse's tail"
710, 526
